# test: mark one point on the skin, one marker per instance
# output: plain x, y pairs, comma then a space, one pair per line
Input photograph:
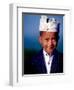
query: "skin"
48, 41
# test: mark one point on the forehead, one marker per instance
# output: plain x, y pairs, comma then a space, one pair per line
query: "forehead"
48, 34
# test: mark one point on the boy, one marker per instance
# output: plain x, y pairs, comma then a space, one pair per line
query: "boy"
48, 60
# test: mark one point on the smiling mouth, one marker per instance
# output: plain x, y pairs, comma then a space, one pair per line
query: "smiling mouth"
51, 47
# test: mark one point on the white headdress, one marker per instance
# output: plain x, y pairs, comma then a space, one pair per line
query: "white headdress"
49, 25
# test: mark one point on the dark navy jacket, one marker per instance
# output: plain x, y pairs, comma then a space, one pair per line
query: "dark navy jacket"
38, 63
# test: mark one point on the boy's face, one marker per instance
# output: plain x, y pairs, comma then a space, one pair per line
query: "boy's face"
48, 40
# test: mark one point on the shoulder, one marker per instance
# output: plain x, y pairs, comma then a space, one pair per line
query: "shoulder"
58, 54
58, 57
36, 62
38, 56
60, 61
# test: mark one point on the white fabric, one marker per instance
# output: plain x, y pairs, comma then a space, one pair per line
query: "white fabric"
50, 26
48, 61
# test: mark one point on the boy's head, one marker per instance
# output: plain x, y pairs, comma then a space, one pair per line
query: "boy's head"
49, 30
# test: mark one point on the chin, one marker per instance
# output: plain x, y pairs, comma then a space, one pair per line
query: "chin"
50, 52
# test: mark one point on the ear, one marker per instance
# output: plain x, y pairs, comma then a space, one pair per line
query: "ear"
40, 39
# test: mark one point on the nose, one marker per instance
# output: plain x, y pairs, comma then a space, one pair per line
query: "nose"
50, 42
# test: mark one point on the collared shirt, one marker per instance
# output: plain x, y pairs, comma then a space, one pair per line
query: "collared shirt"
48, 61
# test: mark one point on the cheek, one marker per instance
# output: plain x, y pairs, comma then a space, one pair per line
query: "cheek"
44, 43
54, 43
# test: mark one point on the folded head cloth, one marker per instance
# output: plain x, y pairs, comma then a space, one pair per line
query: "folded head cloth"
48, 24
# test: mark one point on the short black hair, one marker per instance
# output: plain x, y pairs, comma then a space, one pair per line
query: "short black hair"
41, 33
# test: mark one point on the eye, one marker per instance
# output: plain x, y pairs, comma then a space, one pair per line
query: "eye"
47, 39
53, 38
